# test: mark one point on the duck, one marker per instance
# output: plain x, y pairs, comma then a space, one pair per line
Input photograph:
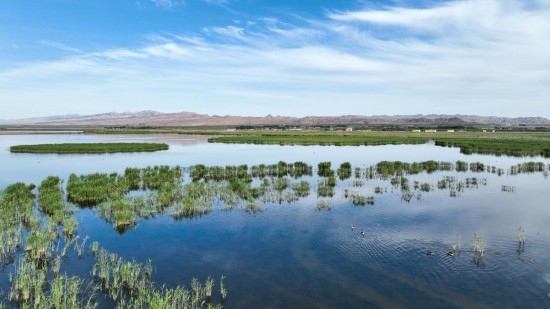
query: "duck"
451, 253
353, 227
430, 252
362, 233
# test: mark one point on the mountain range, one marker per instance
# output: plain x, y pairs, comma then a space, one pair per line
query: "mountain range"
189, 119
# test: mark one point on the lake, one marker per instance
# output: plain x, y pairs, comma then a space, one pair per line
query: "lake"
304, 253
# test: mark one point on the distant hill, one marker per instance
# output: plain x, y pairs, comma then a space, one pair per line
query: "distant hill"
153, 118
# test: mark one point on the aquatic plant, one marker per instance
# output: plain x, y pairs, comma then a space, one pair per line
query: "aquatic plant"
358, 199
50, 197
344, 172
521, 235
133, 177
324, 190
324, 169
252, 206
323, 204
479, 245
223, 290
208, 286
301, 189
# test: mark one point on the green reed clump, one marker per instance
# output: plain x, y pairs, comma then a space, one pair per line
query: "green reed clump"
229, 198
190, 208
240, 187
11, 237
344, 172
358, 173
404, 184
301, 189
358, 199
461, 166
280, 183
31, 286
477, 167
133, 177
324, 189
324, 169
145, 206
118, 211
16, 204
67, 292
27, 283
50, 197
198, 172
299, 169
95, 188
130, 285
426, 187
156, 176
168, 194
40, 244
119, 277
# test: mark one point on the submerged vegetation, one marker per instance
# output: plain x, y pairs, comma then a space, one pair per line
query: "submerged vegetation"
75, 148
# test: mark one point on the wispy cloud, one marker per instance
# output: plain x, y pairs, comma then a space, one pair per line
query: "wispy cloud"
168, 3
480, 57
60, 46
216, 2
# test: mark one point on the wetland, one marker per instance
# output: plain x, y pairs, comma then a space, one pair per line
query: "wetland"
246, 225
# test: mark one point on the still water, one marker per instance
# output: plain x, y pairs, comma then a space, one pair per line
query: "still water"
293, 255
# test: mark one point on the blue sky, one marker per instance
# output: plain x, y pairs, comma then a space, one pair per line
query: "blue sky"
297, 58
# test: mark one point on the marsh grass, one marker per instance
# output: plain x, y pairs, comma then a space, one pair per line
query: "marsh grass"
76, 148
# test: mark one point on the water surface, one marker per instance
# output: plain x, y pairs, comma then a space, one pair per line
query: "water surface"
293, 255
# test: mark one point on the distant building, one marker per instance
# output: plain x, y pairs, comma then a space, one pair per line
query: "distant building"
349, 129
416, 130
230, 129
451, 131
430, 131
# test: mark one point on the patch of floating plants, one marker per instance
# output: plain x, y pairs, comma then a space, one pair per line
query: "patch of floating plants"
39, 227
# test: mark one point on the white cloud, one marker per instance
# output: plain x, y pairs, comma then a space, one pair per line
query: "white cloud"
489, 59
216, 2
168, 3
228, 31
60, 46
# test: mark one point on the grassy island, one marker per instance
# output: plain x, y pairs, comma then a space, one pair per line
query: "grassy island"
71, 148
320, 139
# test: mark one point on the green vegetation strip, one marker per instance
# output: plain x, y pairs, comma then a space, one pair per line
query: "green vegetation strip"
511, 144
89, 148
324, 139
499, 146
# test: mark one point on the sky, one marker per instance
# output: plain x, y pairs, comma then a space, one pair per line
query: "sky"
292, 58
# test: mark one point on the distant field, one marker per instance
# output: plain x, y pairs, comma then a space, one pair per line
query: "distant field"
89, 148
